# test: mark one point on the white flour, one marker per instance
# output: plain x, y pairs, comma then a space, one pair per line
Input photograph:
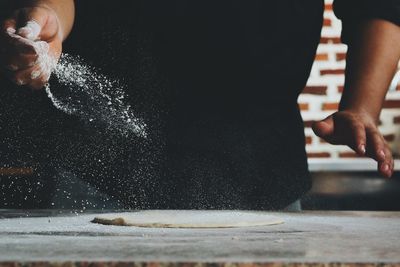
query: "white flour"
90, 95
87, 93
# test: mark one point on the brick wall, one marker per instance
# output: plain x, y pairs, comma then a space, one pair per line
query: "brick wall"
323, 91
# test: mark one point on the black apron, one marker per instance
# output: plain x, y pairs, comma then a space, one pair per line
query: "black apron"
217, 84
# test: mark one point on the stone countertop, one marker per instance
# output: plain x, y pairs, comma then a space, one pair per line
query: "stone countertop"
54, 238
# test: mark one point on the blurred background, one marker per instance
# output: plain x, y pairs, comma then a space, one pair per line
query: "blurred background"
322, 94
341, 179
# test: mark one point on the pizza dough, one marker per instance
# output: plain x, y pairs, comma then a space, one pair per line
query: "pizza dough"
188, 219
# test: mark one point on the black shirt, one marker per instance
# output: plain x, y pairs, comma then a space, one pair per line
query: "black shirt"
219, 90
217, 82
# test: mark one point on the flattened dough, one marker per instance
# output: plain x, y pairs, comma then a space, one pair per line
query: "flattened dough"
188, 219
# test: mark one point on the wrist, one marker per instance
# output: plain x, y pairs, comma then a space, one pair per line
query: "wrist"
363, 113
357, 101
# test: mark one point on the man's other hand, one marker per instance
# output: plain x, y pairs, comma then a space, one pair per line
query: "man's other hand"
359, 132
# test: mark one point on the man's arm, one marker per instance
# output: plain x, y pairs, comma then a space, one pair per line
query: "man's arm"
29, 35
372, 58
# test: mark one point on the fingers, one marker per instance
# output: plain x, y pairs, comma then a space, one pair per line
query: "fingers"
24, 77
31, 30
40, 82
324, 128
32, 21
37, 24
369, 141
28, 23
9, 39
16, 52
359, 132
31, 70
35, 77
357, 139
376, 145
20, 61
9, 26
386, 168
342, 129
380, 151
21, 53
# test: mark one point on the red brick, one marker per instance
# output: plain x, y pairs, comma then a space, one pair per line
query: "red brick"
332, 72
308, 124
396, 120
328, 7
391, 104
11, 171
303, 106
330, 106
321, 57
315, 90
340, 89
308, 140
340, 56
398, 87
349, 155
327, 22
319, 155
330, 40
389, 137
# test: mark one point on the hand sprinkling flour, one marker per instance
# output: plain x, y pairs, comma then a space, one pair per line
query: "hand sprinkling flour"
81, 90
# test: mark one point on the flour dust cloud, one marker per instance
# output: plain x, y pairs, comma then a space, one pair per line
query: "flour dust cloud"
92, 96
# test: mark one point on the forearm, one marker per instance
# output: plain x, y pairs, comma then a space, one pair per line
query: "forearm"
65, 10
372, 58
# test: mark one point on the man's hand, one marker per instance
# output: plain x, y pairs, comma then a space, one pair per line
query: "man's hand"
30, 45
359, 132
371, 62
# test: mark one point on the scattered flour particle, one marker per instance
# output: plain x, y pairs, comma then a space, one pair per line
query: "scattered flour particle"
90, 95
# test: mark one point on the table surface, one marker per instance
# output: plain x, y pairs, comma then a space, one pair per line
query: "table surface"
307, 237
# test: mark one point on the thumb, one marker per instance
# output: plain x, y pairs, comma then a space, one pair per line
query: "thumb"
38, 24
31, 30
324, 128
